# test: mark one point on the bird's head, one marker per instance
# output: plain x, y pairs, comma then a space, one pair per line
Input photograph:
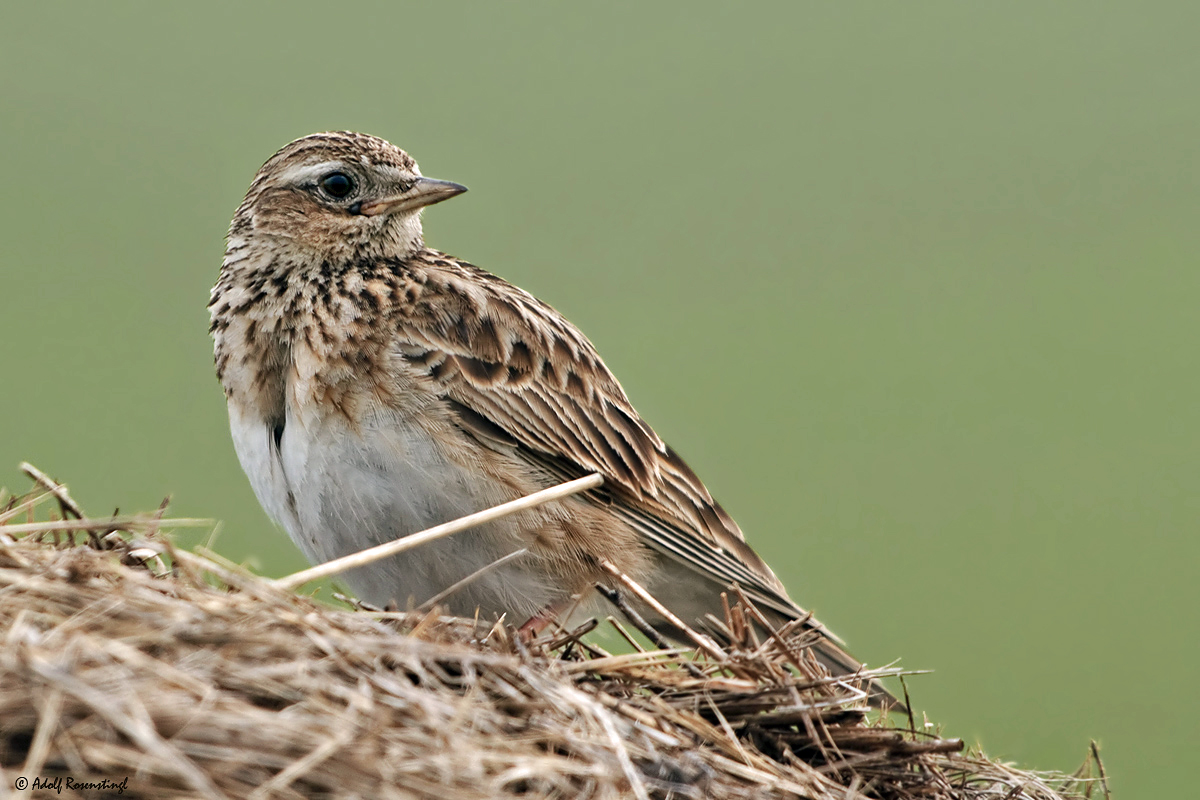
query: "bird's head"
336, 195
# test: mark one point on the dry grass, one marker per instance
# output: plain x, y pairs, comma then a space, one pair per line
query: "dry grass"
123, 658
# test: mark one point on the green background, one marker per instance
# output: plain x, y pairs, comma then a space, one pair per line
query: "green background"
913, 286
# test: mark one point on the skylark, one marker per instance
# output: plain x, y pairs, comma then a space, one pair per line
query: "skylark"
377, 387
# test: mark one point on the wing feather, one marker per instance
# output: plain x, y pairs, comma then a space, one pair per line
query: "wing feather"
519, 372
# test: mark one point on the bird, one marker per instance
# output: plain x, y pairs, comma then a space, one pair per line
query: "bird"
377, 387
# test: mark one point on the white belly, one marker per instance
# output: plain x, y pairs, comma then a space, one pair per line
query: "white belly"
336, 491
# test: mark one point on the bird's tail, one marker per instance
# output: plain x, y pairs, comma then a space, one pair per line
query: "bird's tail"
826, 649
840, 663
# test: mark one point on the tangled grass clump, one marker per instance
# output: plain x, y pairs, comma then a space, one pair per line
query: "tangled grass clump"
124, 657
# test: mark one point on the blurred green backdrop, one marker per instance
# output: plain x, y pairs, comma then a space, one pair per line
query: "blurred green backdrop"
912, 286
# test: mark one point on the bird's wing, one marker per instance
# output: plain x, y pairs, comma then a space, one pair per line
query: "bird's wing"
518, 373
516, 370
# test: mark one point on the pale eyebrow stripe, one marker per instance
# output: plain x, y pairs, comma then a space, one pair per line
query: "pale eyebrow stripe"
309, 172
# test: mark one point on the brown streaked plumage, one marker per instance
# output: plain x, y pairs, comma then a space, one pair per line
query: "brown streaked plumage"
377, 387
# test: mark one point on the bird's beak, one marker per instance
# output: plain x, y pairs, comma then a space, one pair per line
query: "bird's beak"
424, 192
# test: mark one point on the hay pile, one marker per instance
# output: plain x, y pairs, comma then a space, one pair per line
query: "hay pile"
171, 674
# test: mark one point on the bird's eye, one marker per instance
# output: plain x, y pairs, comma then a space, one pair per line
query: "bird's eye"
337, 185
